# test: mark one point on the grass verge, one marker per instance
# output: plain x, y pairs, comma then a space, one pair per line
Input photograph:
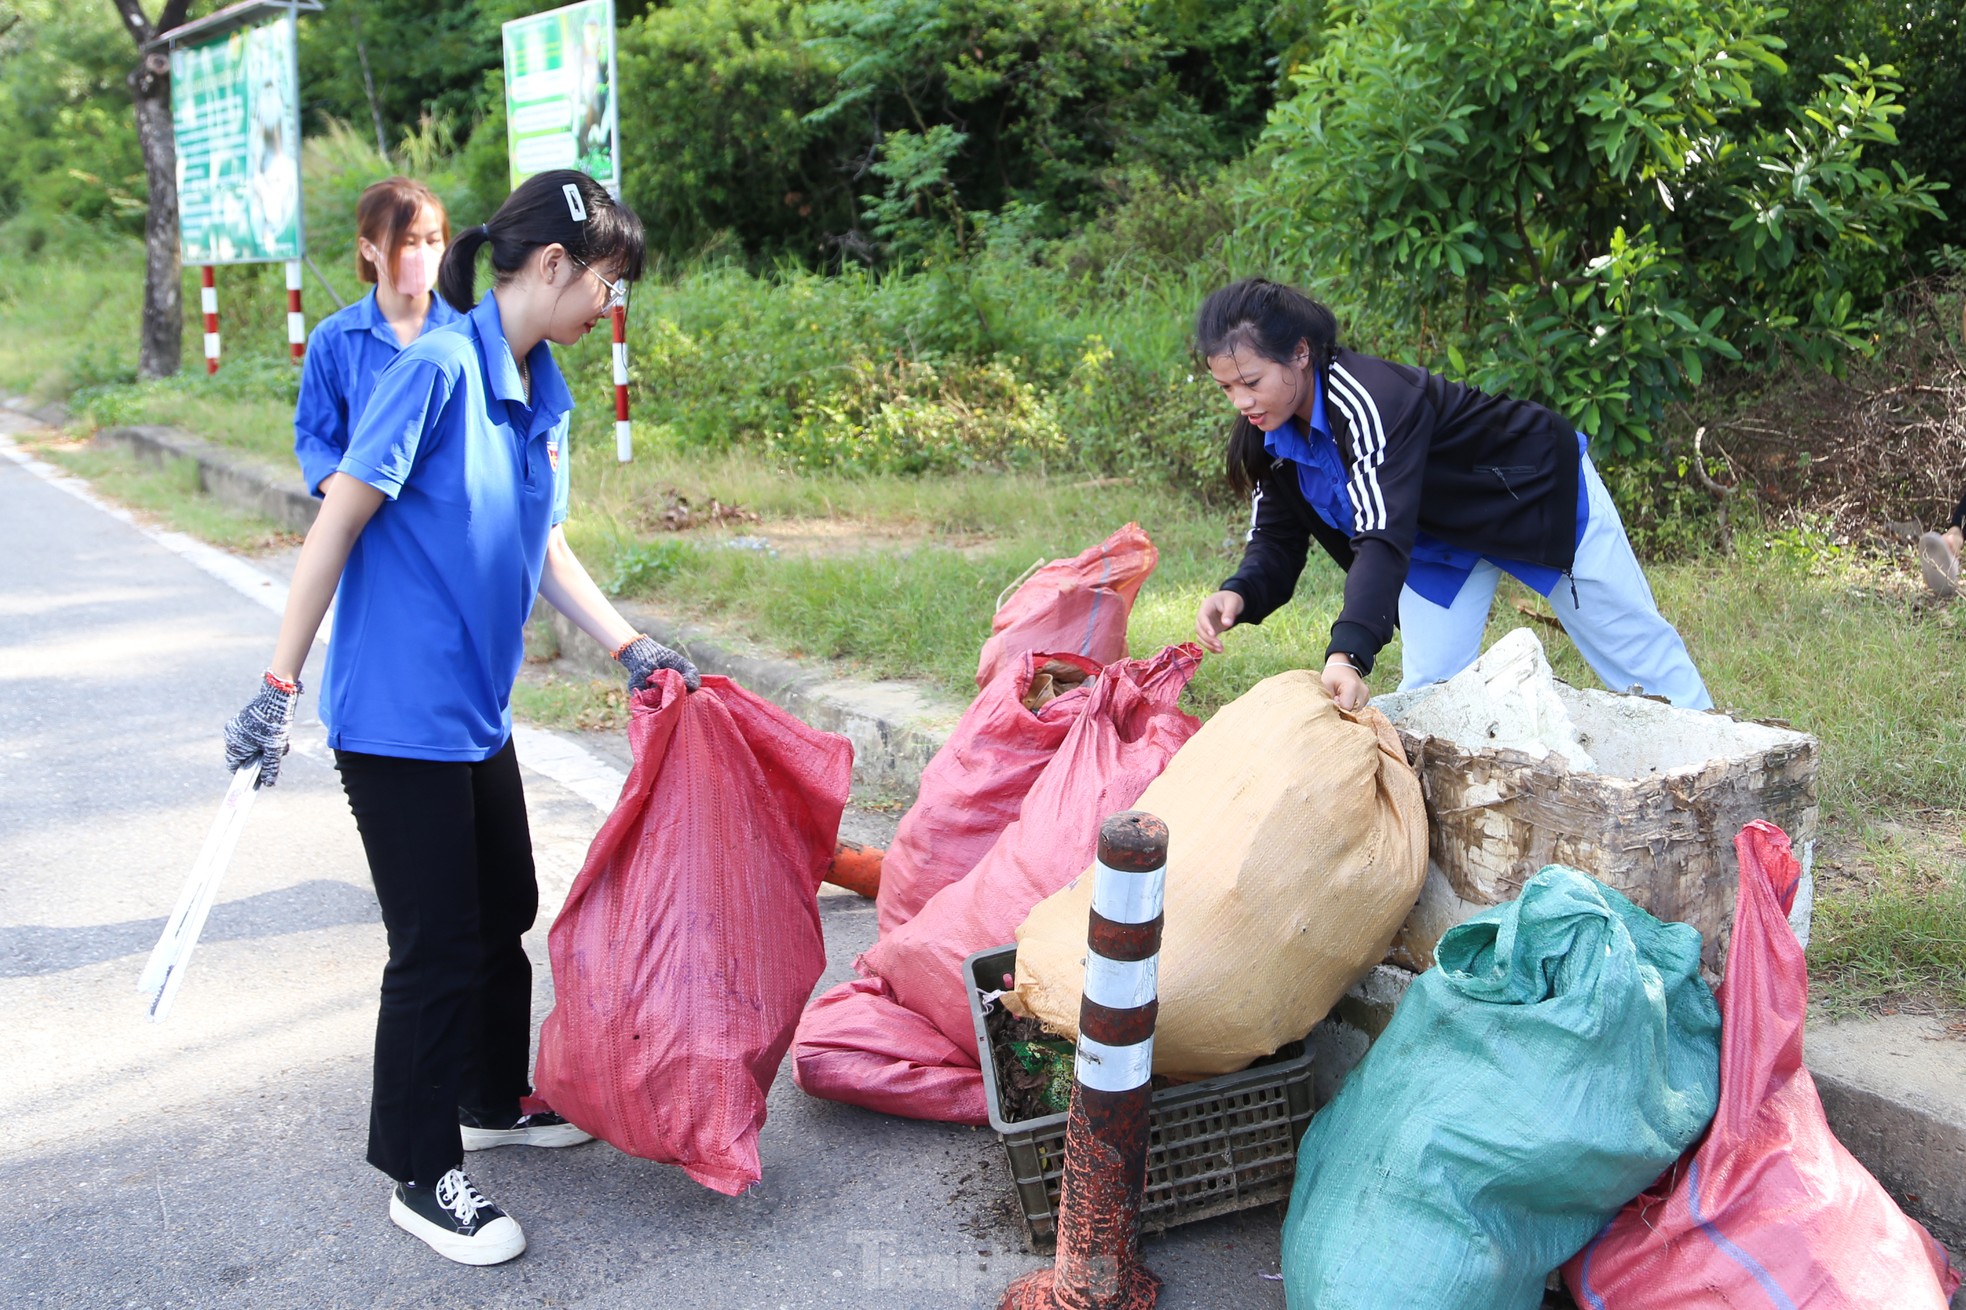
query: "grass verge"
168, 492
1890, 925
573, 704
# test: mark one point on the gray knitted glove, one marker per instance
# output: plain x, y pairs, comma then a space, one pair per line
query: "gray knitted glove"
644, 655
259, 732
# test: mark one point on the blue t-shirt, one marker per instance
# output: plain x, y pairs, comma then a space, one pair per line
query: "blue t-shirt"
1435, 570
431, 614
346, 353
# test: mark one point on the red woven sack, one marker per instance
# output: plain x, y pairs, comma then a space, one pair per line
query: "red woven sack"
690, 940
859, 1045
974, 786
1769, 1211
1121, 741
1079, 605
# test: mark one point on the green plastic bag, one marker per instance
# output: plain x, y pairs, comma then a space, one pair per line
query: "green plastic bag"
1559, 1056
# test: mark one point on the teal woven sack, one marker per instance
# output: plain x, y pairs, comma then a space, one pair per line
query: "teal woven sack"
1560, 1055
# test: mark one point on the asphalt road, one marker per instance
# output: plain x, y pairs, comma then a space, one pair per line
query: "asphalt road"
216, 1160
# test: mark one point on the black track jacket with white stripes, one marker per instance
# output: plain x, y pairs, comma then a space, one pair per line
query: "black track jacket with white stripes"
1482, 472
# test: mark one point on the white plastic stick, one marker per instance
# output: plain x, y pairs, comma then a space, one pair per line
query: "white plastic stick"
164, 971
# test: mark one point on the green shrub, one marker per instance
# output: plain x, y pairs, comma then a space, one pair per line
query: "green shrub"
1031, 101
1925, 40
715, 98
1578, 190
912, 416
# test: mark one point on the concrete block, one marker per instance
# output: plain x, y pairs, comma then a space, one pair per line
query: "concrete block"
1894, 1089
237, 482
1655, 816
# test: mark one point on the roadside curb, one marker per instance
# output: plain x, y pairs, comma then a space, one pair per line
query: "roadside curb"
1895, 1093
230, 479
896, 727
53, 414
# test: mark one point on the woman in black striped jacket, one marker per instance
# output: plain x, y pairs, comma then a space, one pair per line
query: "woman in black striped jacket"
1425, 491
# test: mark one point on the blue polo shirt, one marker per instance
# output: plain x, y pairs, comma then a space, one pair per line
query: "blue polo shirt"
346, 353
1435, 570
430, 616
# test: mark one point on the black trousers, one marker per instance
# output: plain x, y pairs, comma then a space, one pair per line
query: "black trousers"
451, 854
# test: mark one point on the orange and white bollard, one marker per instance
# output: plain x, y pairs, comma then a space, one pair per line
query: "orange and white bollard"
624, 448
208, 302
1106, 1129
296, 324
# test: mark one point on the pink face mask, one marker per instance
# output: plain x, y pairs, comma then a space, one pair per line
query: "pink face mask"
416, 271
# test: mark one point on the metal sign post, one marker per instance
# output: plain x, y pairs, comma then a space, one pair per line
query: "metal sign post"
235, 116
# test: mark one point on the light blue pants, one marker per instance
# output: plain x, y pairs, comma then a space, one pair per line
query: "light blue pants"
1613, 619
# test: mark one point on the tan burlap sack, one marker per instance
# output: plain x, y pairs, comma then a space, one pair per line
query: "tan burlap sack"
1298, 843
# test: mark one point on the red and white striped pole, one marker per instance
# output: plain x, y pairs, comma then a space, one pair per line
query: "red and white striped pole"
296, 324
624, 446
1106, 1127
208, 301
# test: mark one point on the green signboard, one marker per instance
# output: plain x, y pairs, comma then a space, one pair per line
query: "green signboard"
235, 111
560, 93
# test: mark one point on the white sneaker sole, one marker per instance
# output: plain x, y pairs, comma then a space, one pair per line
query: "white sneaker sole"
495, 1243
549, 1135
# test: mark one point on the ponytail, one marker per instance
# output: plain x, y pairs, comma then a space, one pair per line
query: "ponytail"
457, 275
563, 207
1270, 319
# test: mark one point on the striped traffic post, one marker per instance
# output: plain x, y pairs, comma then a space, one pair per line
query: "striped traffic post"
624, 449
208, 302
296, 325
1106, 1129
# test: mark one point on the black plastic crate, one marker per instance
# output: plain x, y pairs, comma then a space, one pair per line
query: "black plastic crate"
1216, 1146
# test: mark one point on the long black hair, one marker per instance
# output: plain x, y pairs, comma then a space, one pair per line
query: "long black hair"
1270, 319
561, 205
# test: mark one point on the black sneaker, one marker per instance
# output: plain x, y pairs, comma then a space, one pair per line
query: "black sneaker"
482, 1132
457, 1220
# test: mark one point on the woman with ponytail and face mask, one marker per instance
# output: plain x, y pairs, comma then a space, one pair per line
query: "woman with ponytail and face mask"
401, 234
440, 525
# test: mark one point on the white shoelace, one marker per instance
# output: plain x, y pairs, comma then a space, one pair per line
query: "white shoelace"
456, 1193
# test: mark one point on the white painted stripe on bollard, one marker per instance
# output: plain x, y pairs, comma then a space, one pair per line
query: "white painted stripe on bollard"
1114, 1068
624, 445
296, 327
1121, 897
208, 299
293, 275
1121, 984
211, 345
621, 363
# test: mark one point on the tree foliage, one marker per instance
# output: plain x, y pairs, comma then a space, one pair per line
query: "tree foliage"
715, 98
1925, 41
65, 114
784, 126
1572, 200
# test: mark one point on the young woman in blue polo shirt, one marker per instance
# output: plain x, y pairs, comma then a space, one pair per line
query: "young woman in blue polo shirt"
1425, 491
440, 525
401, 233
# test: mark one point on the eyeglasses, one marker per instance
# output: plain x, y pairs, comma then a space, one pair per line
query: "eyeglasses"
617, 291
